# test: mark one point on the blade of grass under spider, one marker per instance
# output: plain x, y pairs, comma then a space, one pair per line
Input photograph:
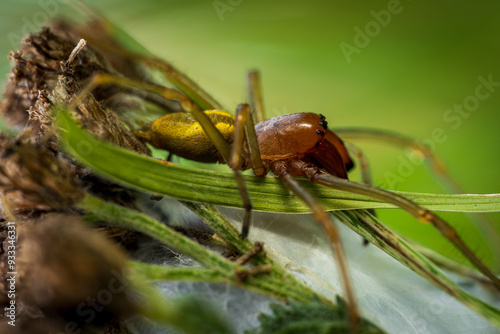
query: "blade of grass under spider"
75, 137
382, 237
218, 188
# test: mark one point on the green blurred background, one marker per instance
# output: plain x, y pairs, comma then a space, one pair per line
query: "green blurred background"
427, 58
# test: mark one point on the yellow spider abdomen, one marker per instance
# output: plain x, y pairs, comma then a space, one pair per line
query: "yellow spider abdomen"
182, 135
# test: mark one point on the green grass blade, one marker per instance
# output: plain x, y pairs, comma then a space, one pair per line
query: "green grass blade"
382, 237
219, 188
269, 195
99, 211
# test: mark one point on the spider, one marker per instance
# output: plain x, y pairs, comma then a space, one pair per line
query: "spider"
293, 145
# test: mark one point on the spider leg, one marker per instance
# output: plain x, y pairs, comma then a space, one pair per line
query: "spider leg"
366, 176
481, 221
180, 80
167, 93
236, 161
424, 215
364, 164
255, 96
405, 142
244, 129
283, 172
242, 123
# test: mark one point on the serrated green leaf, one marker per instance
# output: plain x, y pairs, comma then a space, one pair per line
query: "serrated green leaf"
311, 318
